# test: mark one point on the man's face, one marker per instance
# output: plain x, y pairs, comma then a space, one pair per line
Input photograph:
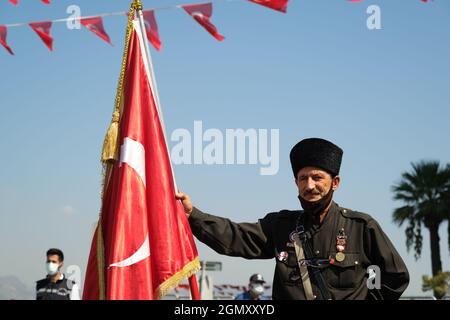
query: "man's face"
313, 183
53, 258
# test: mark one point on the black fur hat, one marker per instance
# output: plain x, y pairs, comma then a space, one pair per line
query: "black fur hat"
316, 152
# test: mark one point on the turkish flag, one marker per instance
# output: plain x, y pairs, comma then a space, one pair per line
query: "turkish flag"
95, 25
152, 29
3, 34
143, 245
202, 14
43, 31
279, 5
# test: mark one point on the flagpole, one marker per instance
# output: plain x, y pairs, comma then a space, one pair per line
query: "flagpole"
193, 279
194, 287
155, 88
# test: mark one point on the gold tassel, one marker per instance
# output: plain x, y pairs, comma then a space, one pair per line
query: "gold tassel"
109, 151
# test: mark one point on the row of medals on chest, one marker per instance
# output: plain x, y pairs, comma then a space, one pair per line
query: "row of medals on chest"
341, 242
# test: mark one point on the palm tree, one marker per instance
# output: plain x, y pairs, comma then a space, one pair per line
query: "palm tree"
439, 284
423, 191
446, 206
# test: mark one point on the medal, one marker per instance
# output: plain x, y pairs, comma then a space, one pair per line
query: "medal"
340, 256
341, 241
292, 236
282, 256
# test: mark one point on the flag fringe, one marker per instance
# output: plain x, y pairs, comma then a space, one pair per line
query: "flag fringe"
188, 270
100, 261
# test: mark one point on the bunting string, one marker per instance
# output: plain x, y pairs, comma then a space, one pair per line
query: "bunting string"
200, 12
160, 8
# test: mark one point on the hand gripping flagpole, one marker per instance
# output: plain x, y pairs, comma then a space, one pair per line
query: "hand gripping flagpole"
138, 7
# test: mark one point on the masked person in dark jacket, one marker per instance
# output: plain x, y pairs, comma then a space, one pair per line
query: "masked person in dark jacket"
323, 251
255, 289
55, 286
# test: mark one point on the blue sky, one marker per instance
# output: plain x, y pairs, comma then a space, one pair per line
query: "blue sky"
382, 95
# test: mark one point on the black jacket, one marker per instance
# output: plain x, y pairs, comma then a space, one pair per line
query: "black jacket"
366, 245
59, 290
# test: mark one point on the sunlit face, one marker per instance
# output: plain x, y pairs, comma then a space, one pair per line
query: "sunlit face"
313, 183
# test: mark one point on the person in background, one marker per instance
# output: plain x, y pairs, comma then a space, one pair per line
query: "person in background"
55, 286
255, 289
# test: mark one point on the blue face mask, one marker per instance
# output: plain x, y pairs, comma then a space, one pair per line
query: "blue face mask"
52, 268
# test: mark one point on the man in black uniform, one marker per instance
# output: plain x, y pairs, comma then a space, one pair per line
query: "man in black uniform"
321, 252
56, 286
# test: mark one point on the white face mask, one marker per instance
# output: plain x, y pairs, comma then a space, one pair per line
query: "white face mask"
257, 288
52, 268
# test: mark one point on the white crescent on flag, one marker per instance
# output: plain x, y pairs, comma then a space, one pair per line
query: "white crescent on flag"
133, 154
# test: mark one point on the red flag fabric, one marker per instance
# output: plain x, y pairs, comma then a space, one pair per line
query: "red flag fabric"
202, 14
143, 245
151, 29
46, 1
43, 31
279, 5
95, 25
3, 34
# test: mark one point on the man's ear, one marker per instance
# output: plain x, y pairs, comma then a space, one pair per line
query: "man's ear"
61, 265
335, 183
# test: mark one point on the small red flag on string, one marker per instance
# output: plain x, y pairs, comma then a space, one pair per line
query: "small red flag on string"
3, 34
95, 25
16, 2
43, 31
151, 29
279, 5
202, 13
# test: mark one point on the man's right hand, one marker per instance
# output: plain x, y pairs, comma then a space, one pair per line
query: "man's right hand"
186, 201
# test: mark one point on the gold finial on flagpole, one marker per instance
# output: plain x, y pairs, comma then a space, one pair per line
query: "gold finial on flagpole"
137, 4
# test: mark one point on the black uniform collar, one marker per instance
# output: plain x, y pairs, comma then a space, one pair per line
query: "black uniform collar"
312, 223
314, 220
